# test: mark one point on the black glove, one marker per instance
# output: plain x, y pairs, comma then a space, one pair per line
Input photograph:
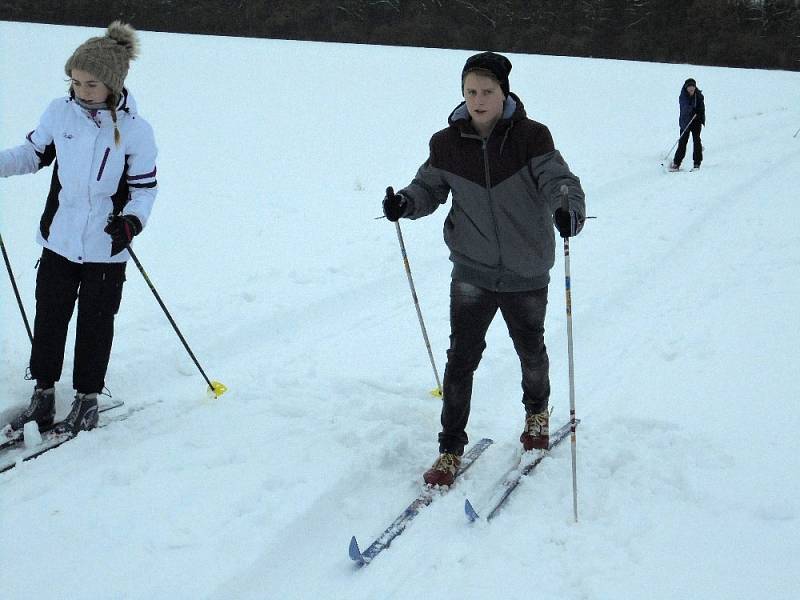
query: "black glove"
122, 228
395, 206
567, 222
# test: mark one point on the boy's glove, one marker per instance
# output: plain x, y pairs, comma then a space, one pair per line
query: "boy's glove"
395, 206
567, 222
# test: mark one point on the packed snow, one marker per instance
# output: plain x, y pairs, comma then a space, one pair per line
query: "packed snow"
263, 243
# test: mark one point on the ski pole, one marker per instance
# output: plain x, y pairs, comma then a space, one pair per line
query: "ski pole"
438, 391
16, 291
572, 419
214, 387
795, 133
678, 140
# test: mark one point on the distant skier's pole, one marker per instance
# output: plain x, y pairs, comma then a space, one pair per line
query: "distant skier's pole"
214, 387
572, 419
666, 156
438, 391
795, 133
16, 291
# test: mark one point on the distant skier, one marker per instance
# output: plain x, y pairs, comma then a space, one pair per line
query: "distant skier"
102, 191
692, 110
505, 177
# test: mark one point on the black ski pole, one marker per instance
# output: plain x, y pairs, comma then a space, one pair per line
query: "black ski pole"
572, 418
438, 391
795, 133
666, 156
214, 387
16, 291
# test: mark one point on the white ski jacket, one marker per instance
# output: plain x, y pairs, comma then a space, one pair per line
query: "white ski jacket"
92, 177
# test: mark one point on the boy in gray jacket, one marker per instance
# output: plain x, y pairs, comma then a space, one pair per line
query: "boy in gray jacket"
505, 177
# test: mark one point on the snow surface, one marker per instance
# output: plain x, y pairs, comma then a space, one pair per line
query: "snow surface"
274, 156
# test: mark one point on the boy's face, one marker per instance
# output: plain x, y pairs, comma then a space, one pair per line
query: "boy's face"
690, 90
484, 100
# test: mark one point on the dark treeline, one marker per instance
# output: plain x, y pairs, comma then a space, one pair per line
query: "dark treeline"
741, 33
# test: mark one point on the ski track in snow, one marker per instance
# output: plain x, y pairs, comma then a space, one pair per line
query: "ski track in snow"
263, 245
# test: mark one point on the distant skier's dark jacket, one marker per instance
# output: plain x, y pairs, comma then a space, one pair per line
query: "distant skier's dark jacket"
505, 189
690, 106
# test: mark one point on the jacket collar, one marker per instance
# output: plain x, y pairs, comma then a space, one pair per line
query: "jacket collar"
125, 103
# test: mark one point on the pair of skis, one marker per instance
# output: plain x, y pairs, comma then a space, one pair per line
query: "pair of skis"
679, 170
50, 440
426, 497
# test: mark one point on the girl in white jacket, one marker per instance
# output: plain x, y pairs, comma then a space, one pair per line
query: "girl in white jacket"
102, 190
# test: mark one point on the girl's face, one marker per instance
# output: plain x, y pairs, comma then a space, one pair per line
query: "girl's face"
484, 101
88, 88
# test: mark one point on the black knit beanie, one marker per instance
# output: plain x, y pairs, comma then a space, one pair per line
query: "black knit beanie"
497, 64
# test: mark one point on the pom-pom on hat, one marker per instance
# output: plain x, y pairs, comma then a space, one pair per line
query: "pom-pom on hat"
107, 57
497, 64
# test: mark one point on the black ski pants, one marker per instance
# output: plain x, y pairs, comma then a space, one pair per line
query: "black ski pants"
472, 310
98, 289
697, 145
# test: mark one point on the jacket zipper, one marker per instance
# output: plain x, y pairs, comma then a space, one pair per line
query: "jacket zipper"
484, 143
103, 164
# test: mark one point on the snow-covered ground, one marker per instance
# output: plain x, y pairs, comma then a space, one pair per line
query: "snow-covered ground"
274, 156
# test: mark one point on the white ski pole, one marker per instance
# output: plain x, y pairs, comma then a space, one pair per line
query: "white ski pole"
438, 391
572, 419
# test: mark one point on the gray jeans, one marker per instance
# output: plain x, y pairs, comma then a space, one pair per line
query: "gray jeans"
472, 310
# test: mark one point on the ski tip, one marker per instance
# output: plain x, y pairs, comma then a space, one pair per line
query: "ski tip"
355, 553
472, 515
110, 406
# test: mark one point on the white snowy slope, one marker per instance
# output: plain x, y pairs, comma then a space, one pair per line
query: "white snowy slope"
274, 156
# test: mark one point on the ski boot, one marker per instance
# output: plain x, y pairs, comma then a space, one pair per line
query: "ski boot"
82, 417
536, 435
443, 471
42, 409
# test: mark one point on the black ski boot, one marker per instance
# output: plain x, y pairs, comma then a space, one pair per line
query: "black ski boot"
82, 417
42, 409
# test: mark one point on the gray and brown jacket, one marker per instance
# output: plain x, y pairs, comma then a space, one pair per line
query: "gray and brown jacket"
505, 189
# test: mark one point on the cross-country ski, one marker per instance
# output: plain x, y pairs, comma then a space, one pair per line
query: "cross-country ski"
528, 461
426, 496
